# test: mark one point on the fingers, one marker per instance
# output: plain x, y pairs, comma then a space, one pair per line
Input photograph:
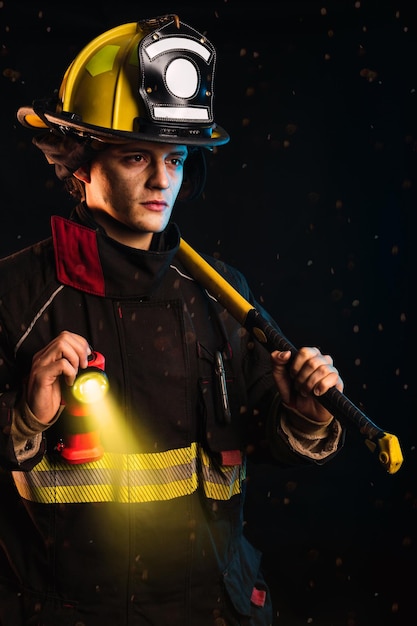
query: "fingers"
314, 372
65, 355
62, 357
311, 372
303, 377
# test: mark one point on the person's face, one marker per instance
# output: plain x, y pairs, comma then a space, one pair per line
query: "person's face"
131, 188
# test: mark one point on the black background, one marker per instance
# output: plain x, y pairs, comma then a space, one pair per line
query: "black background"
314, 200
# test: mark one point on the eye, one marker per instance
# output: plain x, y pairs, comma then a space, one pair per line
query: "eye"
133, 157
177, 161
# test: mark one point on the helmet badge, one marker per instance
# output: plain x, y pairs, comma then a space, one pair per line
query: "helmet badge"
177, 68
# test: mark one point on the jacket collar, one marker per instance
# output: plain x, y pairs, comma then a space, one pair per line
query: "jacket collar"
90, 261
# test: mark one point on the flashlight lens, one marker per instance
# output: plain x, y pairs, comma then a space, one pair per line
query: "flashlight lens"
90, 386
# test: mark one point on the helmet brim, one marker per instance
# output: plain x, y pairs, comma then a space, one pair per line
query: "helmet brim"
30, 119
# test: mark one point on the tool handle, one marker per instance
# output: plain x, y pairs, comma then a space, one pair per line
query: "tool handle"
333, 400
385, 445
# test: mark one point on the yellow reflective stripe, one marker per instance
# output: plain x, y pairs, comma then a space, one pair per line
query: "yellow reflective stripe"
128, 478
225, 491
225, 485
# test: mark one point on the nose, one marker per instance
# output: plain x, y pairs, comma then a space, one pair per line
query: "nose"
158, 178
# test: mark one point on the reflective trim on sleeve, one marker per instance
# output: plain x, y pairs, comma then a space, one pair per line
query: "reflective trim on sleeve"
129, 478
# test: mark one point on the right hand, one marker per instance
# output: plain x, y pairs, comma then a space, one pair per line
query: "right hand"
62, 357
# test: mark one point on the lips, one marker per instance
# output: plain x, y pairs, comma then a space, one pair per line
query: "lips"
156, 206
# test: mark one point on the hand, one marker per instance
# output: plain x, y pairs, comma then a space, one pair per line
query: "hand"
62, 357
310, 373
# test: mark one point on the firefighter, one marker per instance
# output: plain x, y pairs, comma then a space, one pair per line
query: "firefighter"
144, 527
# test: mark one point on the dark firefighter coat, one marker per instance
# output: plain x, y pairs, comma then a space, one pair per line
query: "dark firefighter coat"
150, 533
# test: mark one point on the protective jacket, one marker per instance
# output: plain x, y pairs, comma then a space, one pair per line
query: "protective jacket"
150, 533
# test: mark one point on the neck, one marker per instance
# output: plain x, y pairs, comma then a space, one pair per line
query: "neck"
122, 233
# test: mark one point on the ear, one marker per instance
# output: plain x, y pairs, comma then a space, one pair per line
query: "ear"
83, 173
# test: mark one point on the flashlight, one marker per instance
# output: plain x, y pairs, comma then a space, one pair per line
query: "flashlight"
81, 443
91, 383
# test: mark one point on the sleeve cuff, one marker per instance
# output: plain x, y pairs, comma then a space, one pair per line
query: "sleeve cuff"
305, 426
26, 432
315, 440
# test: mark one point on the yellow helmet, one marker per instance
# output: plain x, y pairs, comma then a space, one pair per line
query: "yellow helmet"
151, 80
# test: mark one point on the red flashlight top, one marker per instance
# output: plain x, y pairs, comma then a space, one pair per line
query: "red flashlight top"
96, 359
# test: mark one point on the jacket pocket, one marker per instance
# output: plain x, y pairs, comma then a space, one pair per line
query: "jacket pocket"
222, 401
246, 588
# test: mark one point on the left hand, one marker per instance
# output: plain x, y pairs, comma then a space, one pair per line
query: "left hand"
309, 374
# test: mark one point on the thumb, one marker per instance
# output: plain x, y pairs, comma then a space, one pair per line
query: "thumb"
280, 373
